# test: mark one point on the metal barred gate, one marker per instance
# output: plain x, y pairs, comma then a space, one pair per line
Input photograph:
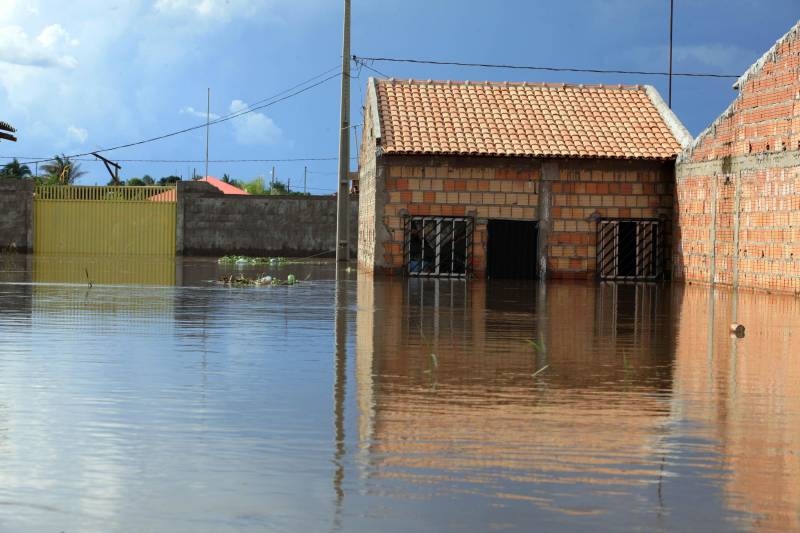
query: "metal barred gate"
105, 221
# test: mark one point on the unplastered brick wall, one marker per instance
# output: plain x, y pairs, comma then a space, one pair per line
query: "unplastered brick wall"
508, 188
606, 189
453, 189
367, 196
738, 185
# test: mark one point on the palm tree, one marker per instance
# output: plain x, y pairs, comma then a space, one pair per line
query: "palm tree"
15, 170
62, 171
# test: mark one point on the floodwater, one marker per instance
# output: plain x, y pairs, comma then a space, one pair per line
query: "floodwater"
168, 403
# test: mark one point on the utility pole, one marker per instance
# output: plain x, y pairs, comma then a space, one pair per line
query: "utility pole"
305, 179
289, 185
343, 198
208, 123
671, 11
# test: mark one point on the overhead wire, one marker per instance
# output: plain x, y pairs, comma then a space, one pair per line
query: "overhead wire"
537, 68
279, 97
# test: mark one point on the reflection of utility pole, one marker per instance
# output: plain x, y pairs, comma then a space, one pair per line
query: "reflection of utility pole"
339, 391
541, 327
343, 198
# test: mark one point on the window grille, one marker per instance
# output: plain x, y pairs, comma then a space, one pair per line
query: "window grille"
630, 250
438, 246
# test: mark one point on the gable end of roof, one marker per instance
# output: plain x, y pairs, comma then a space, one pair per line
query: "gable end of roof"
372, 102
769, 55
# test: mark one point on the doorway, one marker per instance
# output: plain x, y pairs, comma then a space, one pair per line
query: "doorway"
511, 250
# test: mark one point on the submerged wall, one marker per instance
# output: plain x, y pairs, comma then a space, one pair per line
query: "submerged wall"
16, 214
211, 223
564, 196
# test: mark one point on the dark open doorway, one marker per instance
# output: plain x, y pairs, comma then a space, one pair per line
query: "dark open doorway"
511, 251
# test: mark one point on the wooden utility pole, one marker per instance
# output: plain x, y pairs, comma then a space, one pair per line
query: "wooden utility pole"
671, 11
305, 179
343, 196
208, 123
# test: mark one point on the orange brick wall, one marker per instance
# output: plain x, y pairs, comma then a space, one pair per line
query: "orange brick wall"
612, 190
749, 156
507, 188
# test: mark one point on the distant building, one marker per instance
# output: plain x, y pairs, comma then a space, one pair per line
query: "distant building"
517, 180
223, 187
738, 184
6, 130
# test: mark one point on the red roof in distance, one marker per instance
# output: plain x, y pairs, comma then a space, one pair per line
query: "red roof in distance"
225, 188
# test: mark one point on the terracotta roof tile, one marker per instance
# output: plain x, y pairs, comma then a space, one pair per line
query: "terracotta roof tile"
521, 119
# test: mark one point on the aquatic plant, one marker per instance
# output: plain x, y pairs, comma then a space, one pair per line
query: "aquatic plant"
539, 345
243, 281
247, 260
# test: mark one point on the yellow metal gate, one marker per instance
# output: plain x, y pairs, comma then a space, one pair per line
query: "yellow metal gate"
104, 220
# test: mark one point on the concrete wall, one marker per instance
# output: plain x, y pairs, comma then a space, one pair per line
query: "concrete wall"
738, 185
210, 223
561, 194
16, 214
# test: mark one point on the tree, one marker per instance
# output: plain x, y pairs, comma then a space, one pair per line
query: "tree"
147, 180
15, 170
168, 180
135, 182
62, 171
236, 183
276, 188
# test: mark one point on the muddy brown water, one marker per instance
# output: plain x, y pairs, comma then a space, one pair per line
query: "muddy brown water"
157, 400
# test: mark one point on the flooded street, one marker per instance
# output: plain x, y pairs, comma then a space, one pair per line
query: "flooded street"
156, 400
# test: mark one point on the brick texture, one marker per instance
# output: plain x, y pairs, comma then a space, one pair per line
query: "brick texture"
499, 188
738, 186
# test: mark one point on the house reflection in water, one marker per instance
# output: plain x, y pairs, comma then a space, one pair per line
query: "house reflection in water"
633, 413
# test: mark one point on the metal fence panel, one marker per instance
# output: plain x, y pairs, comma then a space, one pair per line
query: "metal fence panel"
104, 220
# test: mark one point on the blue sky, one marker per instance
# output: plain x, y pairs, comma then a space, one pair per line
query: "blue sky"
86, 74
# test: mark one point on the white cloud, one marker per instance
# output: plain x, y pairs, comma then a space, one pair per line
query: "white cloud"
9, 9
253, 128
46, 50
55, 35
211, 9
720, 56
195, 113
715, 57
76, 134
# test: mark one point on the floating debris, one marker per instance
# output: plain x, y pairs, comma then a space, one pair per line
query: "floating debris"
545, 367
737, 330
242, 260
243, 281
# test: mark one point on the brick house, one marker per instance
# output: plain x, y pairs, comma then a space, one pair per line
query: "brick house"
516, 180
738, 183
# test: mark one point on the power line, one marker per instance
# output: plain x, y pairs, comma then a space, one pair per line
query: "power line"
358, 59
286, 160
376, 71
274, 100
